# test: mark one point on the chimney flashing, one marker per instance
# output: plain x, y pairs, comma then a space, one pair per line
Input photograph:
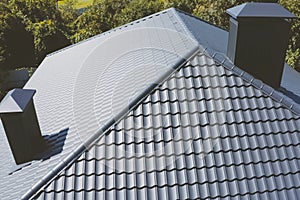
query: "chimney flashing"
259, 10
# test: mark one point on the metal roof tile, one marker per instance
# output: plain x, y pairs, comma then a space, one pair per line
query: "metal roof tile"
162, 148
233, 188
183, 192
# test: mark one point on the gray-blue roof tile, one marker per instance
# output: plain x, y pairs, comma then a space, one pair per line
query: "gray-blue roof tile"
205, 132
255, 154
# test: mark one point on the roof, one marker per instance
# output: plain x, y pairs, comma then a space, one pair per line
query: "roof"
214, 41
204, 133
265, 10
150, 108
141, 55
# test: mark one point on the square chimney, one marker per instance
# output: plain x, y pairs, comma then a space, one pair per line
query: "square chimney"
258, 39
21, 126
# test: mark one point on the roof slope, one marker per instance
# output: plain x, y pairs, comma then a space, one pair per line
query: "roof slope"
75, 88
204, 133
85, 89
207, 35
214, 40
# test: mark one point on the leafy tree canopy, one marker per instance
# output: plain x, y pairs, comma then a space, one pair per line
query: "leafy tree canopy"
16, 43
41, 27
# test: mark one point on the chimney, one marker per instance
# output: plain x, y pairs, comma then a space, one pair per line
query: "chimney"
21, 126
258, 39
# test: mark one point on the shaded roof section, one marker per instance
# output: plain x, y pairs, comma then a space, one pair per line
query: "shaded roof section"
207, 35
261, 10
16, 100
204, 133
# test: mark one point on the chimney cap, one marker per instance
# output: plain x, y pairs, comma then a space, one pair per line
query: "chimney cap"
16, 100
259, 10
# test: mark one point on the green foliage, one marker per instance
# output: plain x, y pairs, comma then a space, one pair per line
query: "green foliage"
35, 10
213, 11
293, 53
107, 14
47, 37
68, 12
78, 5
184, 5
137, 9
29, 29
97, 19
90, 23
41, 31
16, 43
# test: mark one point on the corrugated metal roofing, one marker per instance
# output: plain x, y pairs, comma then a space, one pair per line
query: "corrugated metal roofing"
204, 133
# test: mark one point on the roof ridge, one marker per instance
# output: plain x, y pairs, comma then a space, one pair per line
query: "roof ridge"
195, 17
276, 95
175, 11
111, 30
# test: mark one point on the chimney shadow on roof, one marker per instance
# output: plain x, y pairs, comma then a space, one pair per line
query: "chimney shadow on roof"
54, 145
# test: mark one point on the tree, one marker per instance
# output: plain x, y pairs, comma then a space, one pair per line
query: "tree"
47, 38
213, 11
16, 44
43, 20
97, 19
68, 12
35, 10
184, 5
28, 24
293, 52
137, 9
